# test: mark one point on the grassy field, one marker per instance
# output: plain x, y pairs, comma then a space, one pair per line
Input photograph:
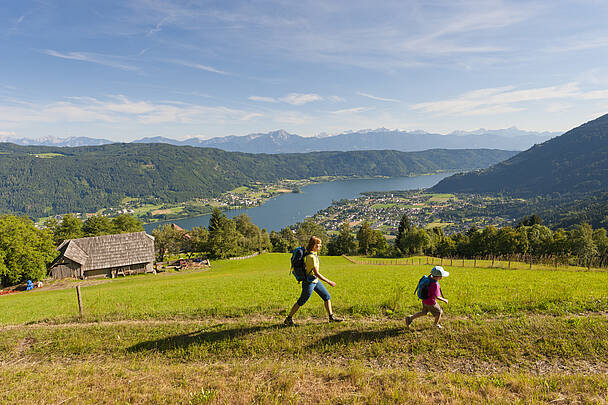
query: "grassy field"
511, 336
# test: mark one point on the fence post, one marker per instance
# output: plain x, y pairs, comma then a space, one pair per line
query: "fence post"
79, 300
475, 262
462, 262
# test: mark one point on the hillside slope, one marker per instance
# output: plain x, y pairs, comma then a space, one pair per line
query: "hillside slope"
574, 162
40, 180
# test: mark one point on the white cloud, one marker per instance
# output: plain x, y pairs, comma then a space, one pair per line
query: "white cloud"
299, 99
377, 98
251, 116
8, 133
351, 110
262, 99
120, 109
105, 60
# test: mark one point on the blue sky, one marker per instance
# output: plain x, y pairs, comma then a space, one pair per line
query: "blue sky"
123, 70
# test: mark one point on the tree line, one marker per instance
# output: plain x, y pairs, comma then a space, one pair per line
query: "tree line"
26, 251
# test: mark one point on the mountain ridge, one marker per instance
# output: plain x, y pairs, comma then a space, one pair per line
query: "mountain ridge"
280, 141
576, 161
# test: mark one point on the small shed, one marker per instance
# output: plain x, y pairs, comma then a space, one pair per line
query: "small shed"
105, 256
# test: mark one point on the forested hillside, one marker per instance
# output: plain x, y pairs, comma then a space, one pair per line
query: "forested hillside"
37, 180
575, 162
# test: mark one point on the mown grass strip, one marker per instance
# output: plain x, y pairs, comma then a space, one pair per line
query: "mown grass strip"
506, 343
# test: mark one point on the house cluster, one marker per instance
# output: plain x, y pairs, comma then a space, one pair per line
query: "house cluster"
384, 211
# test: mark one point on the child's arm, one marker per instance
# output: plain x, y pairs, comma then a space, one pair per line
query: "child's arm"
443, 299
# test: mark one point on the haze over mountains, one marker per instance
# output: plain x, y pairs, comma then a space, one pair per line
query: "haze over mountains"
379, 139
575, 162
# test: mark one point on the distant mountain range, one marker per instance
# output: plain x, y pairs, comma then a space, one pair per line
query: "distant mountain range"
378, 139
575, 162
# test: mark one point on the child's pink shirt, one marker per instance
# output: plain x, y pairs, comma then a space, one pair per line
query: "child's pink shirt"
434, 292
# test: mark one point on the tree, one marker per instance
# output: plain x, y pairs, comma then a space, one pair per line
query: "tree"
601, 242
167, 241
402, 230
344, 243
199, 239
25, 251
530, 221
98, 225
70, 228
583, 244
215, 219
310, 228
224, 239
416, 241
365, 238
283, 241
540, 239
125, 223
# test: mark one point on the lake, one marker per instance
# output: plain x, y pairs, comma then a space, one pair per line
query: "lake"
288, 209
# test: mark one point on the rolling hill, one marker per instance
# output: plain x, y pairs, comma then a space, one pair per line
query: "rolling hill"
38, 180
575, 162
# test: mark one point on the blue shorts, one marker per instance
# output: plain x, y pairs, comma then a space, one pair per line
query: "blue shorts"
308, 288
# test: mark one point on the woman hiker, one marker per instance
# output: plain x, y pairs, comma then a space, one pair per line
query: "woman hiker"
313, 283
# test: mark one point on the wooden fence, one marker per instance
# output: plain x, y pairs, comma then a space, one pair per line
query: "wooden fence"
513, 262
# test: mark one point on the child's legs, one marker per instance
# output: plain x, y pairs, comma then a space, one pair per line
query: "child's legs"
419, 314
436, 311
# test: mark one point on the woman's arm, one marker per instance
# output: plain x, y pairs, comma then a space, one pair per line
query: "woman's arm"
322, 277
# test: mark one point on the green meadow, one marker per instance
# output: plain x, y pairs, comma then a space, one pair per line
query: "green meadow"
216, 336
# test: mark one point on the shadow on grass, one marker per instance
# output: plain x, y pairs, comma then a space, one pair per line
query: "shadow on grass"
183, 341
356, 336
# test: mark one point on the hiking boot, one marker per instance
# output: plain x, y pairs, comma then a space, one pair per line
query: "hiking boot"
289, 321
334, 319
408, 321
438, 326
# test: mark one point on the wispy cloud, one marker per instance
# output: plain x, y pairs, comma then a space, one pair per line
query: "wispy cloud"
299, 98
105, 60
292, 98
351, 110
7, 133
20, 19
262, 99
504, 99
200, 67
377, 98
578, 44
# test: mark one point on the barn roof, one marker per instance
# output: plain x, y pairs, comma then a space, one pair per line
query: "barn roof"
101, 252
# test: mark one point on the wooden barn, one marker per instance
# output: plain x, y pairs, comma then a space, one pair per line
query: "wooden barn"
105, 256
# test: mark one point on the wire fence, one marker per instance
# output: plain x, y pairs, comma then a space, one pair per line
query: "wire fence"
516, 262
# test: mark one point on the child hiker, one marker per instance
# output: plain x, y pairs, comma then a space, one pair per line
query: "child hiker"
430, 292
311, 261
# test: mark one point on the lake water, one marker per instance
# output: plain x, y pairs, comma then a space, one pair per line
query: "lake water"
288, 209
